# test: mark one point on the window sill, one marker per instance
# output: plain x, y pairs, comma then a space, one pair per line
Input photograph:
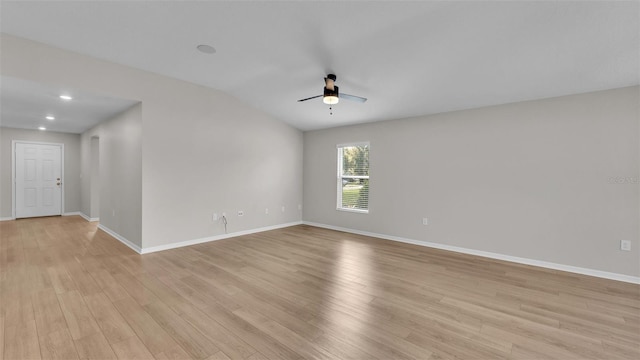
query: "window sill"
359, 211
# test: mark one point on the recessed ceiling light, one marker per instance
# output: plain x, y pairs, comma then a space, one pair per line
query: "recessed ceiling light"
42, 128
65, 97
50, 117
207, 49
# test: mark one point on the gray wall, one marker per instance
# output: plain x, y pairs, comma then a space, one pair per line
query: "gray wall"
71, 165
94, 177
119, 171
203, 151
214, 154
530, 179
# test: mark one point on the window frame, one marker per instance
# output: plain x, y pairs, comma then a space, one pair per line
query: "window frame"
340, 177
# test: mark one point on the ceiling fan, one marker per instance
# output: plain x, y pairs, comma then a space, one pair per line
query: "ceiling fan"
331, 94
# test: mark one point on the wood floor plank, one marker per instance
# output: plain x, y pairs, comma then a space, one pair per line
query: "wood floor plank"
94, 346
58, 345
21, 341
174, 353
624, 351
376, 341
113, 326
261, 341
77, 315
257, 356
300, 345
343, 347
449, 345
152, 335
69, 290
190, 339
168, 295
1, 337
216, 333
195, 297
135, 289
18, 311
61, 279
85, 284
48, 314
528, 347
109, 285
38, 276
296, 324
219, 356
131, 348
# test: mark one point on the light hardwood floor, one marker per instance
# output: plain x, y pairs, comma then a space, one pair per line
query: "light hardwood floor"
71, 291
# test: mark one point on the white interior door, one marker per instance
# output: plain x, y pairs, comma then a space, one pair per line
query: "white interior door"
38, 180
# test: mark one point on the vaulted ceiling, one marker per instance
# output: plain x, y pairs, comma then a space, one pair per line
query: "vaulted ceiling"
407, 58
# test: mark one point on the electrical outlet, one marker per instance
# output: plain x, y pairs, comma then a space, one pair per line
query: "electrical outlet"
625, 245
240, 213
266, 211
215, 217
425, 221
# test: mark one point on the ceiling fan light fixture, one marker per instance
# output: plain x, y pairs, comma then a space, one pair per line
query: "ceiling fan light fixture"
330, 100
330, 96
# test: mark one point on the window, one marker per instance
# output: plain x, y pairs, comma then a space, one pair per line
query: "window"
353, 177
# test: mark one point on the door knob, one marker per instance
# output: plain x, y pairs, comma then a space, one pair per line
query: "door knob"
58, 184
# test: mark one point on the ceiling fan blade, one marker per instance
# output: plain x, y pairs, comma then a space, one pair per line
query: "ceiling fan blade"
352, 97
309, 98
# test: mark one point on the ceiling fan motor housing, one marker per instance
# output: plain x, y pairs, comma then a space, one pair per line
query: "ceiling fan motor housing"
329, 92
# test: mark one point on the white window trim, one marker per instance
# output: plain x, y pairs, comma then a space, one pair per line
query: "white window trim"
340, 177
359, 211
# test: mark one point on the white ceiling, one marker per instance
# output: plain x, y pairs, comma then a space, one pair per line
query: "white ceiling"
407, 58
25, 104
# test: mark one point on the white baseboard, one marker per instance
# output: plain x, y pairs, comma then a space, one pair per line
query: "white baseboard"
86, 217
120, 238
65, 214
216, 237
152, 249
514, 259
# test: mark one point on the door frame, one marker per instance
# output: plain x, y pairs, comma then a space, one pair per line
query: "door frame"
13, 172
